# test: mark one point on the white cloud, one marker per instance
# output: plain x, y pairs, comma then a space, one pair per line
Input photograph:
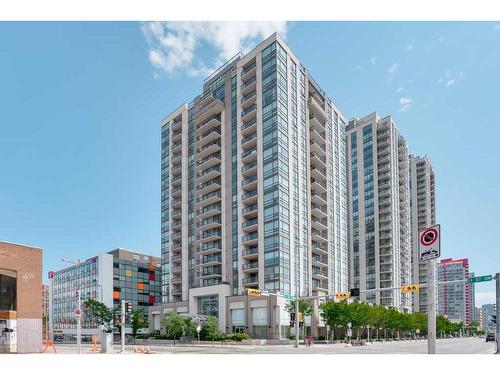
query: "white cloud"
373, 60
449, 79
392, 69
405, 104
173, 46
450, 82
409, 47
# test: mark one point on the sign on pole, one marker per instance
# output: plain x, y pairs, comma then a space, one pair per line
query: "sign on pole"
289, 297
479, 279
78, 313
429, 243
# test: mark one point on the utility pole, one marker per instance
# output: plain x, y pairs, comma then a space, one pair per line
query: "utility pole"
497, 336
122, 330
431, 307
297, 329
78, 314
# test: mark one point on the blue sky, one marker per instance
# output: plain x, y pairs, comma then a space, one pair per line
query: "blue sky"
81, 105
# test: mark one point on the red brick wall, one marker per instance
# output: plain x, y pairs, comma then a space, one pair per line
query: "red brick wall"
27, 262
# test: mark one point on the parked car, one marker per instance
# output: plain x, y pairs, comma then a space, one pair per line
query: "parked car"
58, 338
490, 337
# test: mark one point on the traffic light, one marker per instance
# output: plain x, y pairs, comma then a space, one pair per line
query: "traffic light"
128, 307
342, 295
355, 292
254, 292
300, 317
292, 319
410, 288
494, 319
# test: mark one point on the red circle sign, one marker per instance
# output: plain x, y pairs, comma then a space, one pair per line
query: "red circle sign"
428, 237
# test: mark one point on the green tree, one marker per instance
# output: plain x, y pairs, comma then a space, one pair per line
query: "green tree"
210, 329
335, 314
378, 318
304, 308
175, 325
138, 322
358, 314
473, 328
102, 313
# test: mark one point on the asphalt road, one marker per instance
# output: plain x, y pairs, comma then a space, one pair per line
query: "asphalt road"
469, 345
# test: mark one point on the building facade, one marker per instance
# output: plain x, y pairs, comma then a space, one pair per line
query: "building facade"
488, 311
423, 215
454, 299
473, 316
478, 317
379, 217
20, 298
253, 193
108, 278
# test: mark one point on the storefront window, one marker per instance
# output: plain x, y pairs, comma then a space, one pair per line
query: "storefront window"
8, 290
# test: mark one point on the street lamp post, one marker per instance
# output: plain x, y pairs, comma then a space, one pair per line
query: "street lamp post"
297, 329
497, 279
297, 310
78, 313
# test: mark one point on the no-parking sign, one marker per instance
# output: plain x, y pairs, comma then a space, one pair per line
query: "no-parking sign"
429, 243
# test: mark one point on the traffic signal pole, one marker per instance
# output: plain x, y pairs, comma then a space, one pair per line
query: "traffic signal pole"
122, 328
297, 328
79, 322
497, 336
431, 307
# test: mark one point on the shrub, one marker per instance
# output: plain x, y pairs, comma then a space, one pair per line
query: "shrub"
239, 337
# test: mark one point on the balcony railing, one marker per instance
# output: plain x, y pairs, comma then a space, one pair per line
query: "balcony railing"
253, 207
248, 83
249, 266
250, 251
249, 280
249, 194
248, 110
248, 123
249, 96
249, 223
248, 68
250, 237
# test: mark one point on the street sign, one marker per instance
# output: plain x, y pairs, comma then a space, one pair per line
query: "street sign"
429, 243
289, 297
479, 279
78, 313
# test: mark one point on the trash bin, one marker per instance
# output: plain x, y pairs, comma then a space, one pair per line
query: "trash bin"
106, 343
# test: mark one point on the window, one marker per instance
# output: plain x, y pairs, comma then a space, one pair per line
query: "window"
259, 316
208, 305
8, 290
238, 317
